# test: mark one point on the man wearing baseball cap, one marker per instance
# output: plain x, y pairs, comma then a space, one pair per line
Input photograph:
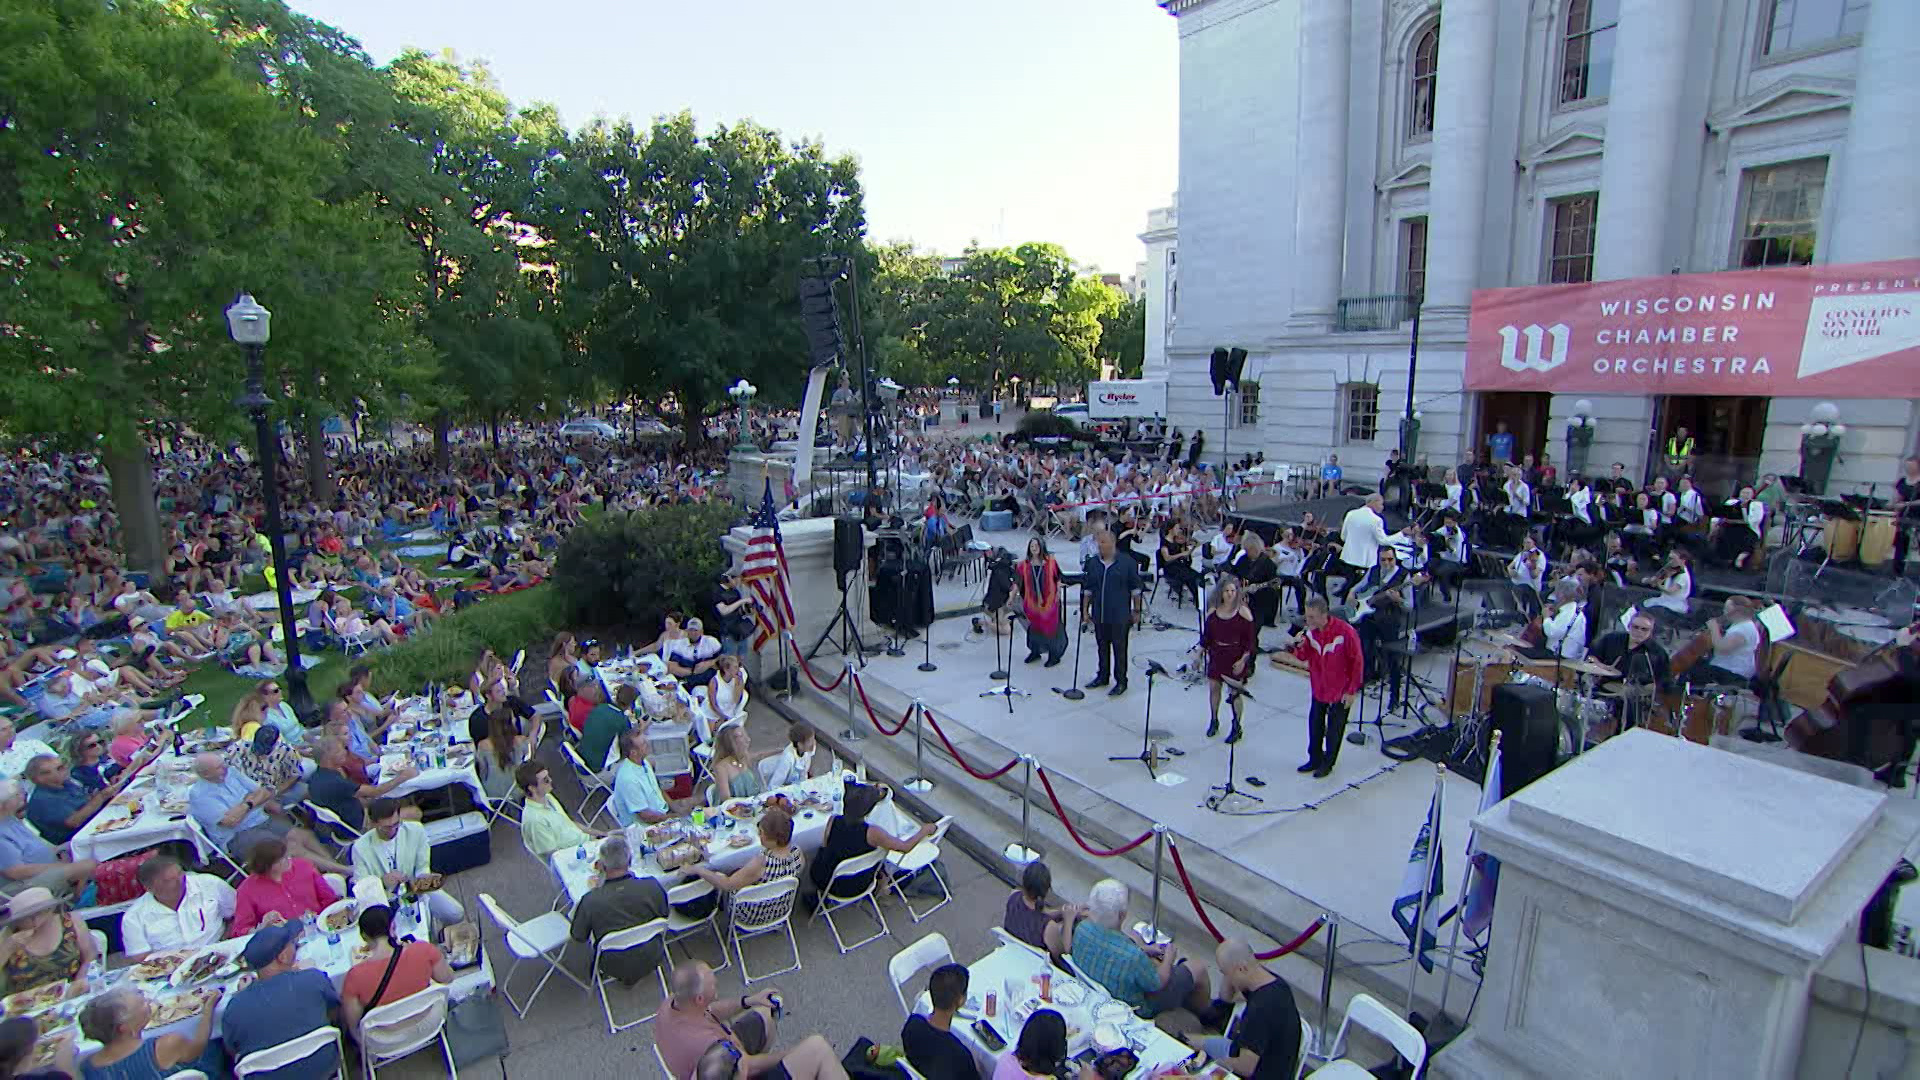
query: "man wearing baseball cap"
284, 1002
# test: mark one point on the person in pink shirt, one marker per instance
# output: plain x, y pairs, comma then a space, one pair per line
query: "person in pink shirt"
279, 888
129, 738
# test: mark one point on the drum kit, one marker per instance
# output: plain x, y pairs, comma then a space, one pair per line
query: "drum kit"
1588, 711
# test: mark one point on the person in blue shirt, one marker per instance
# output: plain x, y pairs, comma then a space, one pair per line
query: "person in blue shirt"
1500, 443
283, 1003
1330, 475
637, 797
59, 805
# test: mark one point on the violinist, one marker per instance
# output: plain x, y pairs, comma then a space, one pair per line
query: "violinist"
1734, 541
1619, 560
1528, 568
1690, 508
1291, 555
1224, 549
1674, 580
1519, 506
1176, 562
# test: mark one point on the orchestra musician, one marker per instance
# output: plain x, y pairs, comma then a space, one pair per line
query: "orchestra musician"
1379, 611
1675, 582
1519, 506
1176, 562
1690, 508
1906, 503
1643, 666
1228, 636
1260, 577
1450, 564
1593, 584
1290, 556
1734, 541
1664, 498
1644, 525
1734, 644
1224, 549
1563, 623
1528, 568
1619, 560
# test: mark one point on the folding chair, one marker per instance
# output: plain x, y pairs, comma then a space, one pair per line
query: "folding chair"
544, 937
681, 927
1099, 990
336, 827
633, 937
590, 784
661, 1060
399, 1028
781, 892
274, 1058
1008, 939
1365, 1011
352, 646
924, 858
830, 903
908, 963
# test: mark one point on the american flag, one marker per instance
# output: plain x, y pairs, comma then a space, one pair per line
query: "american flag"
766, 572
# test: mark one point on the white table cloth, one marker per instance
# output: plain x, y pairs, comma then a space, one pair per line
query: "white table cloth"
103, 837
1009, 973
405, 743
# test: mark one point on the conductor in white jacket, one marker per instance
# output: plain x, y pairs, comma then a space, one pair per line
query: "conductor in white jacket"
1362, 532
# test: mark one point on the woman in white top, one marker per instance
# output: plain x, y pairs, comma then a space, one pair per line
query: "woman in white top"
727, 694
1529, 566
1736, 644
1675, 583
1689, 508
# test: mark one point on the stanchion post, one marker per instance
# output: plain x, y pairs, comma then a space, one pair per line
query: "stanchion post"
1023, 852
852, 734
1323, 1038
1159, 852
786, 677
919, 781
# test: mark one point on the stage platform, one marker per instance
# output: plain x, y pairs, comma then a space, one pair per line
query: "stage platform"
1340, 843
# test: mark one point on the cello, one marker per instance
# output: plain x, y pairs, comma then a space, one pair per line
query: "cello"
1861, 719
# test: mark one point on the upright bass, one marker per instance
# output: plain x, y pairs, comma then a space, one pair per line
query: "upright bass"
1863, 719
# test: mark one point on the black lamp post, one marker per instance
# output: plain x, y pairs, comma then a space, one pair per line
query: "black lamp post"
248, 322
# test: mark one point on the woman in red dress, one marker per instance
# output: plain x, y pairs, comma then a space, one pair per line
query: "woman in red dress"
1038, 578
1228, 636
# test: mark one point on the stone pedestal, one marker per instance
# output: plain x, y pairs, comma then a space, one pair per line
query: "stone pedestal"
1663, 909
814, 587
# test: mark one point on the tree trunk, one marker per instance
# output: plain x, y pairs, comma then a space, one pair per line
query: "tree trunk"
441, 426
319, 476
495, 425
131, 475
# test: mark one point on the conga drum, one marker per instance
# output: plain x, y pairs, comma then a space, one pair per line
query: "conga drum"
1841, 538
1876, 538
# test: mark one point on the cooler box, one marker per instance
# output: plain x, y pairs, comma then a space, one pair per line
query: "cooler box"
996, 521
459, 843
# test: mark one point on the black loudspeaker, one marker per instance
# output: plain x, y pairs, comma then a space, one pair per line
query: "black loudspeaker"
1236, 364
1217, 370
847, 547
820, 316
1529, 724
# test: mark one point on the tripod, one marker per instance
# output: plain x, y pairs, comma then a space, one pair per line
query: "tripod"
1219, 803
1146, 755
849, 642
1005, 671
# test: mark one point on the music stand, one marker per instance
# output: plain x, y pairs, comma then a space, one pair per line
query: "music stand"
1146, 755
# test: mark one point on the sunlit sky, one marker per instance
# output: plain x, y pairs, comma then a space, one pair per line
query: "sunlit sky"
997, 121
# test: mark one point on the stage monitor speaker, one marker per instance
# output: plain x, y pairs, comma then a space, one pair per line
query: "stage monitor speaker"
1217, 370
1528, 720
1236, 366
847, 548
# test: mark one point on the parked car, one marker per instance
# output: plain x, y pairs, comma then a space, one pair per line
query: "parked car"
1076, 412
587, 428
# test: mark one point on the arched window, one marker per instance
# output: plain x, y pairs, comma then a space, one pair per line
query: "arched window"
1586, 55
1426, 71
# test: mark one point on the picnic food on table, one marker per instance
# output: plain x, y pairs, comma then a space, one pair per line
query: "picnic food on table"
177, 1007
38, 999
338, 920
161, 965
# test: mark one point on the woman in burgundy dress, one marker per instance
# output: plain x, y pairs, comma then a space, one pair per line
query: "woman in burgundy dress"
1038, 578
1228, 636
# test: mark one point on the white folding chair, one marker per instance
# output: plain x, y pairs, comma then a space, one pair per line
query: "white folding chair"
590, 785
1006, 938
778, 896
1306, 1035
1367, 1012
1094, 988
335, 824
830, 903
633, 937
661, 1059
907, 964
298, 1049
924, 858
681, 927
545, 937
336, 882
399, 1028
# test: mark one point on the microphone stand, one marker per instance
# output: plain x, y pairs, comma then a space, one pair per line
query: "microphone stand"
1218, 803
1146, 755
1073, 691
926, 648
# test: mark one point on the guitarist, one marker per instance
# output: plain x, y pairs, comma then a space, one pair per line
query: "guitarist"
1379, 610
1260, 576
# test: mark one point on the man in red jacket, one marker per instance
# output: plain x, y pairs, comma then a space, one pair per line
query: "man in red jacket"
1335, 670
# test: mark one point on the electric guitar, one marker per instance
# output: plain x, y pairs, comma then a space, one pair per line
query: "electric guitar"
1366, 604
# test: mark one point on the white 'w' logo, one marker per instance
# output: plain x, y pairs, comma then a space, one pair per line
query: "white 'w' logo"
1511, 359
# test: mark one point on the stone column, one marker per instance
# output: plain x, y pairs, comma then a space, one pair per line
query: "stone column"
1662, 910
1462, 125
1874, 212
1644, 105
1320, 161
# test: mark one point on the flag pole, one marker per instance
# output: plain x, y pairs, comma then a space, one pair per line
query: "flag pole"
1426, 885
1466, 886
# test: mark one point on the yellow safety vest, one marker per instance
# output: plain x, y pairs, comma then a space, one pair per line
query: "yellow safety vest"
1678, 452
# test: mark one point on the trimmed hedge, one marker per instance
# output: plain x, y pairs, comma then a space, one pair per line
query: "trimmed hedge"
627, 570
506, 624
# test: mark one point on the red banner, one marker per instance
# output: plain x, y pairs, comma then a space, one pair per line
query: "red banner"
1804, 331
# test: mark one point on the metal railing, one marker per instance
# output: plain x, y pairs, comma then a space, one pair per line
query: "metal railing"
1384, 312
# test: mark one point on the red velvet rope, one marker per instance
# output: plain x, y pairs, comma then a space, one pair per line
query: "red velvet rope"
1186, 884
825, 688
951, 749
1061, 812
875, 717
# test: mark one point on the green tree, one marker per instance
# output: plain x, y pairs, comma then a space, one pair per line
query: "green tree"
894, 307
1123, 338
1015, 311
142, 183
689, 248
